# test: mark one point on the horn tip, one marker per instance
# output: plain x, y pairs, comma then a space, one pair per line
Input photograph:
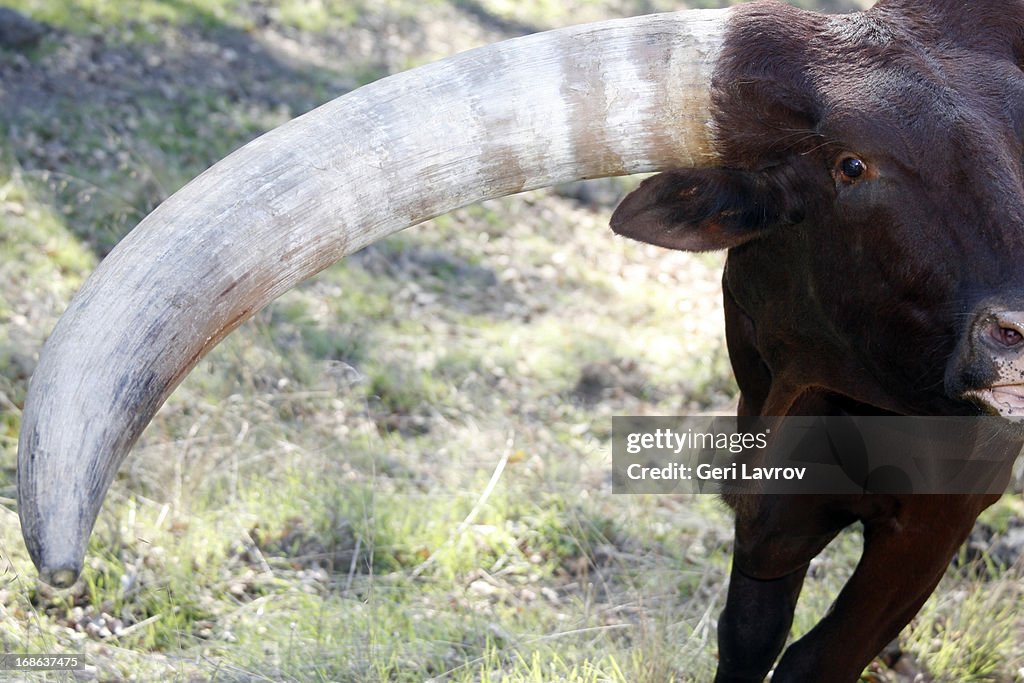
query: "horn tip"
60, 577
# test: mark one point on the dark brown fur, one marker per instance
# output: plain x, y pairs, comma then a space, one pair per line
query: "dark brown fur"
853, 295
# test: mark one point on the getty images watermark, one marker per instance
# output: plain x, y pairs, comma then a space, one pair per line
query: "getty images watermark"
812, 455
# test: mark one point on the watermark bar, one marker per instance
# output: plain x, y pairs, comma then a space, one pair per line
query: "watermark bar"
831, 455
40, 662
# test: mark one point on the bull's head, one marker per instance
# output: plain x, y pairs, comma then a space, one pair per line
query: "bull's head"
873, 202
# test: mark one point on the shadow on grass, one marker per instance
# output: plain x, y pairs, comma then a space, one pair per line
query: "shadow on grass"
108, 120
104, 130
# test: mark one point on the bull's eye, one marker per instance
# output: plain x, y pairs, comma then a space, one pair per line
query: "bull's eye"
852, 168
1007, 336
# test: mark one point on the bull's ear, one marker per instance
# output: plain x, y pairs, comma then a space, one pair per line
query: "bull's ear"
708, 209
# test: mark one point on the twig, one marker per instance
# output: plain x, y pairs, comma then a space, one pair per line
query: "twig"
255, 549
495, 476
352, 565
576, 632
135, 627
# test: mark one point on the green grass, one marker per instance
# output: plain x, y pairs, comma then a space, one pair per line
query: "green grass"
129, 21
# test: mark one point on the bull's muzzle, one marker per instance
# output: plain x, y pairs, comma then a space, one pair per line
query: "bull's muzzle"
991, 371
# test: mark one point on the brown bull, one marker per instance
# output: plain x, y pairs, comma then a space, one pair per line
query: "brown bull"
866, 173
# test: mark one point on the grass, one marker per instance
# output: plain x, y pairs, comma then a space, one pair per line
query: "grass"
391, 473
91, 15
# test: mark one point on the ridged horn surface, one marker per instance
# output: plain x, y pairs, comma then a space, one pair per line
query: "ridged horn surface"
594, 100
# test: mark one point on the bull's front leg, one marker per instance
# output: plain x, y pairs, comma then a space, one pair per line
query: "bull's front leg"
905, 555
776, 539
754, 624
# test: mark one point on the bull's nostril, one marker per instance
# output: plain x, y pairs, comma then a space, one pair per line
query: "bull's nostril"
1006, 336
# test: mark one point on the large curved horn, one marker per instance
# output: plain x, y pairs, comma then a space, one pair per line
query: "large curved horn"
601, 99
